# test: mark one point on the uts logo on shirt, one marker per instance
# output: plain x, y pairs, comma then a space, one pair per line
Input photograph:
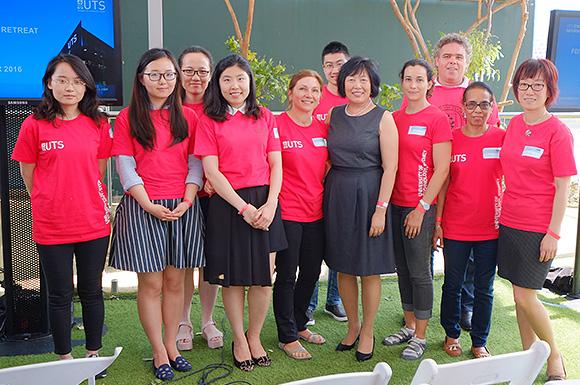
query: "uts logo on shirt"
321, 117
458, 158
52, 145
287, 144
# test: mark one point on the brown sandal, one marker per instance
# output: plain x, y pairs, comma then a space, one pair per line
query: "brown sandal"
453, 349
480, 352
297, 353
312, 337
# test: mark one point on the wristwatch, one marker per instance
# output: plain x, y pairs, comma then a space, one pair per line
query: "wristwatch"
426, 206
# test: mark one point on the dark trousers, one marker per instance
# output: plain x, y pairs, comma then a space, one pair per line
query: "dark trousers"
57, 264
413, 260
468, 288
292, 296
456, 259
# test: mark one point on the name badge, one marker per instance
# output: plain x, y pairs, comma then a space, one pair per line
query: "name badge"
533, 152
276, 134
319, 142
491, 152
417, 130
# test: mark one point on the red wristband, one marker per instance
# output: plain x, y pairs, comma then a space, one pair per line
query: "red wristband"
553, 234
438, 220
189, 203
241, 212
382, 204
421, 209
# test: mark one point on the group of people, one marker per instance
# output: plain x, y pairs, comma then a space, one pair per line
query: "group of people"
214, 181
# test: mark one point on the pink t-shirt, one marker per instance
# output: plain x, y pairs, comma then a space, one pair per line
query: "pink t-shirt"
304, 155
450, 100
196, 107
473, 200
327, 101
531, 157
69, 200
165, 167
242, 145
418, 133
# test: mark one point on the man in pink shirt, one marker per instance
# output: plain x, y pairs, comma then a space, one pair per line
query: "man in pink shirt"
334, 55
452, 55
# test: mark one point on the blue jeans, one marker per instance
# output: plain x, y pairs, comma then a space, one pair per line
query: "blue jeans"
332, 296
456, 258
468, 288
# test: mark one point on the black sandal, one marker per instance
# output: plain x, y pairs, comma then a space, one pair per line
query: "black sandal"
246, 366
263, 360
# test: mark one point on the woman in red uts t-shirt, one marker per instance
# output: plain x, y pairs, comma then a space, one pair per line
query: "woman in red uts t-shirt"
240, 147
304, 156
63, 149
424, 151
468, 211
537, 159
158, 227
195, 64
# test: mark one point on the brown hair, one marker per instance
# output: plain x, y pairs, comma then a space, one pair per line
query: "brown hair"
454, 38
532, 68
304, 73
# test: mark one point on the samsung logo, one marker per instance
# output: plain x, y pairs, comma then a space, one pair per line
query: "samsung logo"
91, 5
18, 102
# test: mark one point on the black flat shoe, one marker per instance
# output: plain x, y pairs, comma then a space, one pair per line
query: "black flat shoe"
365, 356
263, 360
343, 348
246, 366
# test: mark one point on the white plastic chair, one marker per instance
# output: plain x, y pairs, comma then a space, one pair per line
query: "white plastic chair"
381, 375
63, 372
520, 368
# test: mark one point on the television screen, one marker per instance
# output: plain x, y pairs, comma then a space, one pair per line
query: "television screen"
33, 32
564, 51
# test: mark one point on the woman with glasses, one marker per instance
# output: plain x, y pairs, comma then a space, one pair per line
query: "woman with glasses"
158, 224
424, 153
195, 64
240, 148
468, 219
63, 149
537, 158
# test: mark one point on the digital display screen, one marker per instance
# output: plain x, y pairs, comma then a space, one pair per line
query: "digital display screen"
33, 32
564, 51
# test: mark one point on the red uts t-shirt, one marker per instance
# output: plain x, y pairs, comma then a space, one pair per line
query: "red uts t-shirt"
418, 133
473, 200
327, 101
69, 201
304, 155
164, 168
242, 145
531, 157
450, 99
196, 107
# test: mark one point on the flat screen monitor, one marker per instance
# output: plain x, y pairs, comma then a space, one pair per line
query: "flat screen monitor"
564, 51
33, 32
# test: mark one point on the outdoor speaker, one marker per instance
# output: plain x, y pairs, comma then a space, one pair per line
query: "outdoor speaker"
25, 291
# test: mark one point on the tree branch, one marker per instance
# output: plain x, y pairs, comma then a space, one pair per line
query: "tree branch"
480, 20
517, 49
235, 21
246, 45
406, 28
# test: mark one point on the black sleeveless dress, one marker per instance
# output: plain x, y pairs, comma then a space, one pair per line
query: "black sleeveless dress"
351, 193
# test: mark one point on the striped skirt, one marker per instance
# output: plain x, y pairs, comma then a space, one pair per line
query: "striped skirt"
144, 244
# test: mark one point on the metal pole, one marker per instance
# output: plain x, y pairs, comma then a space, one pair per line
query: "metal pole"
155, 23
576, 281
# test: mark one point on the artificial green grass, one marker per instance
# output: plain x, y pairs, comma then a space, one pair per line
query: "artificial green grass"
130, 368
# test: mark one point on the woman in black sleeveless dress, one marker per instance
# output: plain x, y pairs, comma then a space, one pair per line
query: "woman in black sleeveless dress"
363, 147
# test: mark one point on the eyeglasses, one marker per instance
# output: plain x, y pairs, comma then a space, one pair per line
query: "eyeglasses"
66, 82
156, 76
330, 66
189, 72
471, 106
533, 86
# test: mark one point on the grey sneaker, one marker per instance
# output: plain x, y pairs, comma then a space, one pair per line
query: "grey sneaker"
337, 312
400, 337
414, 349
310, 315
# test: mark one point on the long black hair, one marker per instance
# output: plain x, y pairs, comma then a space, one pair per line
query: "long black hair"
215, 106
478, 85
142, 128
49, 107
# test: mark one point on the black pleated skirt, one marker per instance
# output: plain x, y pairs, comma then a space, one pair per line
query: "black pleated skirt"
518, 258
350, 198
236, 253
